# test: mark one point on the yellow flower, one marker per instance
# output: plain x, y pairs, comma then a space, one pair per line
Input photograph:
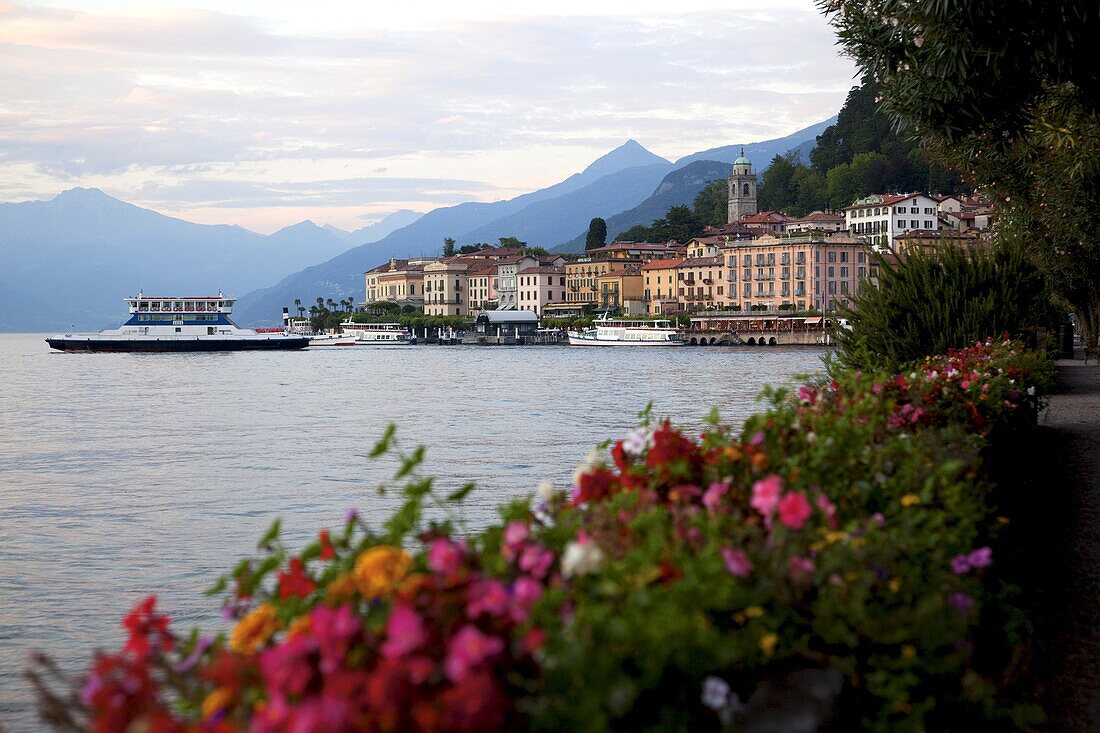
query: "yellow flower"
894, 584
908, 651
342, 588
754, 612
298, 626
837, 536
253, 631
767, 644
379, 570
910, 500
216, 701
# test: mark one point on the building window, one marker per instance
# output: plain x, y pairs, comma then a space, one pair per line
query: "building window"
844, 272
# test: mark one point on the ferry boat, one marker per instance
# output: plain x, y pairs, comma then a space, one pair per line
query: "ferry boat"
618, 332
192, 323
378, 334
331, 339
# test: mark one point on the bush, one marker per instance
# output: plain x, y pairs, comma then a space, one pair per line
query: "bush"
973, 294
843, 536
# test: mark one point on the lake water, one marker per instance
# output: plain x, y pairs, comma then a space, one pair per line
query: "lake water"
123, 474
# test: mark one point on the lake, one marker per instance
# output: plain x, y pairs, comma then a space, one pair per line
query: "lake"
125, 474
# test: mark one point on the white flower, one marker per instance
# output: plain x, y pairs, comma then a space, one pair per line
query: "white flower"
590, 461
1031, 391
716, 693
811, 437
637, 442
545, 491
581, 559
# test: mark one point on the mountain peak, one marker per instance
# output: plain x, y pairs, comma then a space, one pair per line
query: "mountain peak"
84, 195
630, 154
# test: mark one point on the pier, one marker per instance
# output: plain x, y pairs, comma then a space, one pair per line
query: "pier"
724, 328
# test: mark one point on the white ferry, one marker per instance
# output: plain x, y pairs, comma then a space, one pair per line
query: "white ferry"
617, 332
378, 334
192, 323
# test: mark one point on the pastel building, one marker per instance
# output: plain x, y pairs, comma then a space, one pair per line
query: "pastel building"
539, 286
879, 219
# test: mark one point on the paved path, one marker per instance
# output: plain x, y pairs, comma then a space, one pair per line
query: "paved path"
1071, 428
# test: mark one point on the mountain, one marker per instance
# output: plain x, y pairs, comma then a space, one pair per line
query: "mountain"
761, 153
471, 222
373, 232
681, 186
69, 261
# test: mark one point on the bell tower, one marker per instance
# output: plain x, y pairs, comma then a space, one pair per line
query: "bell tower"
742, 190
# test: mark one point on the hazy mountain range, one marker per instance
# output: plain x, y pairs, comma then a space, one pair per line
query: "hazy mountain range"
68, 262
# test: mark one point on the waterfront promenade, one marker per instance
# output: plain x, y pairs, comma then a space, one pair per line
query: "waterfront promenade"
1069, 479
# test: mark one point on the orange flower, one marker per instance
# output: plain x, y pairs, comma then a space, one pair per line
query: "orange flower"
379, 570
216, 701
253, 631
298, 626
341, 589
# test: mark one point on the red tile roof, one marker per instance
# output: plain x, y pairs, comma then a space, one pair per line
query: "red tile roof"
665, 264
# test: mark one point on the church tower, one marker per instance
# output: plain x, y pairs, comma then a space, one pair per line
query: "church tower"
742, 189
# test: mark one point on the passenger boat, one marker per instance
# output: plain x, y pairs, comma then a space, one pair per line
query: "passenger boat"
331, 339
378, 334
192, 323
616, 332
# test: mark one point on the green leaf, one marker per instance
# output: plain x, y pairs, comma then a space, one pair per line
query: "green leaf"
462, 493
218, 588
410, 462
271, 534
385, 443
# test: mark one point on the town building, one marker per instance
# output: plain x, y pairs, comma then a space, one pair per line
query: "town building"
741, 189
796, 272
765, 222
539, 286
816, 221
445, 287
396, 281
880, 219
659, 284
932, 241
481, 275
622, 290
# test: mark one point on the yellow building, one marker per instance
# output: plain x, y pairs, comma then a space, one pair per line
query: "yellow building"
622, 289
398, 281
659, 285
699, 283
446, 287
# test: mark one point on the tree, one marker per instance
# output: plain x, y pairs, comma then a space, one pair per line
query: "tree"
711, 205
512, 242
776, 189
1006, 93
597, 234
448, 247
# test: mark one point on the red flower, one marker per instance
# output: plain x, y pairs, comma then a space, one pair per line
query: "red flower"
596, 485
148, 629
476, 703
327, 551
294, 583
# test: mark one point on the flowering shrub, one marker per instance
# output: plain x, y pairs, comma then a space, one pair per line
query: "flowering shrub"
844, 532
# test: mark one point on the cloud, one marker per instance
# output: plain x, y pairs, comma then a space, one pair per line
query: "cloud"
190, 97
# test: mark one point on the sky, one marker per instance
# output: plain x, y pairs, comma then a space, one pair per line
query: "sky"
263, 114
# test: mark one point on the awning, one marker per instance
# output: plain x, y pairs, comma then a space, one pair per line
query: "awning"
813, 321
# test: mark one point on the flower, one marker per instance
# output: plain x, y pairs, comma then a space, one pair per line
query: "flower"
794, 510
961, 602
295, 583
768, 643
148, 629
980, 558
253, 631
737, 562
404, 632
910, 500
716, 693
828, 509
526, 592
800, 567
216, 701
545, 491
327, 550
765, 494
714, 493
960, 565
488, 596
380, 569
581, 559
637, 442
444, 557
467, 649
335, 630
536, 561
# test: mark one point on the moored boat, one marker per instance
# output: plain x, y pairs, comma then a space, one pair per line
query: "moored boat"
378, 334
192, 323
620, 332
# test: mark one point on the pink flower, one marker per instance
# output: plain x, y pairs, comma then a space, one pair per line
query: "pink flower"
404, 632
737, 562
765, 494
794, 510
536, 561
486, 596
960, 565
515, 535
801, 567
469, 648
827, 508
806, 395
961, 603
525, 593
334, 630
980, 558
444, 557
714, 494
757, 438
289, 668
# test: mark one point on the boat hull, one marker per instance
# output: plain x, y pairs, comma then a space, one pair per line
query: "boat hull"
198, 343
582, 341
